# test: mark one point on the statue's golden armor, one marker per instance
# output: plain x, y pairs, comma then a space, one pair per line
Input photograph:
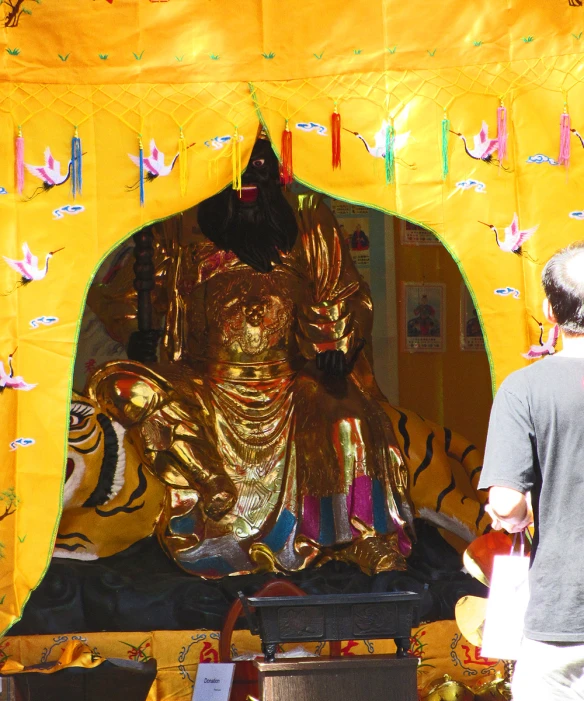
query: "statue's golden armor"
268, 462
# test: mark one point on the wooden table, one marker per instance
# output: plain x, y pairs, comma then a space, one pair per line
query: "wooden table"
358, 678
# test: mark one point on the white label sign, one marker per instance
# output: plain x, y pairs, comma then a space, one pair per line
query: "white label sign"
213, 682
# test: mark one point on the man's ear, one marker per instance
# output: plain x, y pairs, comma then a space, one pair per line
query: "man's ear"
548, 312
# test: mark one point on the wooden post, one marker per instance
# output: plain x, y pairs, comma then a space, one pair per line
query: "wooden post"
144, 284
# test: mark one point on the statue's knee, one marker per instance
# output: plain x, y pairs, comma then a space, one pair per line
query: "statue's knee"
125, 395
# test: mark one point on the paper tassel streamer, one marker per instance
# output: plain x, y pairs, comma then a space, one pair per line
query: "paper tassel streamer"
389, 154
502, 133
445, 137
564, 158
182, 164
19, 161
141, 148
286, 168
336, 137
236, 160
76, 165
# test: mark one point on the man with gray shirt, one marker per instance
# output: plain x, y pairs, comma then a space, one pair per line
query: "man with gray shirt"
535, 446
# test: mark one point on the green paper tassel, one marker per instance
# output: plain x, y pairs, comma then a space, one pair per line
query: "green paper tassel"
445, 137
389, 154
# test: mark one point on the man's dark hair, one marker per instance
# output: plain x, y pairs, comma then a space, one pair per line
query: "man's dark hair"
563, 283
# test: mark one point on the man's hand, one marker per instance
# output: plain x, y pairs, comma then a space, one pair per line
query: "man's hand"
509, 509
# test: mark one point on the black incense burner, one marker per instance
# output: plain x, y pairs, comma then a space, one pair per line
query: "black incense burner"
296, 619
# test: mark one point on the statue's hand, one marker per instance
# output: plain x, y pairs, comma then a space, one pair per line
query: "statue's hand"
219, 496
333, 362
143, 344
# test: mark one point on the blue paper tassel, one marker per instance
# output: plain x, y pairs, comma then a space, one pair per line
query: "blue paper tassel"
76, 166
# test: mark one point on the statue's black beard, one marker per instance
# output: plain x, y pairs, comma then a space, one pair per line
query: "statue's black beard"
257, 232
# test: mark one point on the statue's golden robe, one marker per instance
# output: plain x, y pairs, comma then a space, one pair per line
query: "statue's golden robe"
311, 460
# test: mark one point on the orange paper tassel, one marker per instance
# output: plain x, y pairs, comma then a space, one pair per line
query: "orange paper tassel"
336, 136
286, 169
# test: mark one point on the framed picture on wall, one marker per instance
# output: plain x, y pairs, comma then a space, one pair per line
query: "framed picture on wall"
354, 224
471, 334
415, 235
423, 317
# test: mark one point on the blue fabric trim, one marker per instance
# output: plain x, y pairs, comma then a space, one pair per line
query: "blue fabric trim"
379, 515
277, 537
209, 566
182, 525
327, 522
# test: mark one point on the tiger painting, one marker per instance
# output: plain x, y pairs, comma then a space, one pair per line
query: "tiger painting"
111, 501
444, 470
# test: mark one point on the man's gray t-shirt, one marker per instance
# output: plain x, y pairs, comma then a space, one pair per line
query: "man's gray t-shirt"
536, 443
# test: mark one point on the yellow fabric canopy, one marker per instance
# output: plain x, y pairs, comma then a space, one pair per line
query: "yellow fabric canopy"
189, 80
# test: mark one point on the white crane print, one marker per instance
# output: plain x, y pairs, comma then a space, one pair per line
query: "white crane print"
483, 147
514, 236
154, 163
49, 173
8, 380
377, 150
547, 348
28, 267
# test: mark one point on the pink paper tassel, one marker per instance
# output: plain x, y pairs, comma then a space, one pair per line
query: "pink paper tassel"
19, 157
564, 158
502, 133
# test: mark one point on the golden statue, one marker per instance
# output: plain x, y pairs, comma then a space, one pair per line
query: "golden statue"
263, 417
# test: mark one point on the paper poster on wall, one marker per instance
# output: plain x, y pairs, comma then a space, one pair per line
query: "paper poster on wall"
347, 209
414, 235
341, 209
471, 335
354, 223
423, 312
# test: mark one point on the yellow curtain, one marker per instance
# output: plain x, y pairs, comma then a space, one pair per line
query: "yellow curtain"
194, 78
